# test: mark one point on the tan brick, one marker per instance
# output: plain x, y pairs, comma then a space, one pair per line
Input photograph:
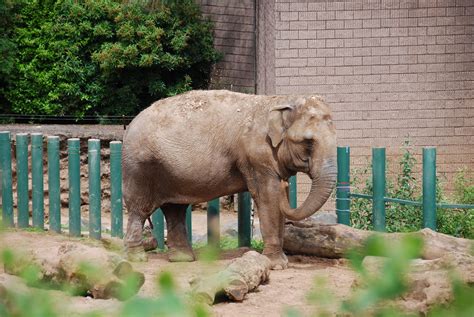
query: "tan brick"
381, 14
304, 35
326, 15
298, 62
353, 42
325, 34
352, 61
389, 60
371, 60
334, 24
436, 12
425, 40
298, 25
372, 41
408, 22
381, 32
362, 14
435, 49
446, 21
389, 41
372, 23
316, 61
362, 70
334, 43
431, 21
316, 25
289, 16
399, 32
401, 13
298, 43
298, 6
316, 43
419, 49
342, 34
352, 24
347, 51
316, 6
398, 69
408, 40
438, 30
344, 15
457, 29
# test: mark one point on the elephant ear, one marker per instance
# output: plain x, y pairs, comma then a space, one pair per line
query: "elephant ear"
276, 122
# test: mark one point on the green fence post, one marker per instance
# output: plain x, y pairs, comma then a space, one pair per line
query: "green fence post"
37, 179
93, 161
53, 184
244, 223
189, 223
293, 194
6, 169
378, 179
116, 188
429, 188
22, 179
343, 189
74, 187
159, 228
213, 226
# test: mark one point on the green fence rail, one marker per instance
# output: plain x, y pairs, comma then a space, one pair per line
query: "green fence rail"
74, 226
379, 200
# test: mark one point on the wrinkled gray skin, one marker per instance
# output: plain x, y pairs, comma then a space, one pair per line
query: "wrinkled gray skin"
205, 144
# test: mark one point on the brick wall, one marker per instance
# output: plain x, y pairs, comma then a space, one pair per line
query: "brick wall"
392, 71
234, 37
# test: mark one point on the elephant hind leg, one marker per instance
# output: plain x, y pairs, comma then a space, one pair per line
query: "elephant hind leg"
179, 247
134, 237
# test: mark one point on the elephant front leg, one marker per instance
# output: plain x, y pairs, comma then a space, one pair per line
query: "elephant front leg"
271, 222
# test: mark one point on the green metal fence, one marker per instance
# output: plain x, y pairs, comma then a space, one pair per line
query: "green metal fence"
94, 188
378, 197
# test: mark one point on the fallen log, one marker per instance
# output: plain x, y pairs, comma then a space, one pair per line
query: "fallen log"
86, 270
334, 240
240, 277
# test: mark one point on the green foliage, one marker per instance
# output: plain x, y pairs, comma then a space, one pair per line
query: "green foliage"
106, 57
464, 186
404, 218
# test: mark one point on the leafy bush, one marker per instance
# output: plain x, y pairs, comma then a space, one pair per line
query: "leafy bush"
106, 57
403, 218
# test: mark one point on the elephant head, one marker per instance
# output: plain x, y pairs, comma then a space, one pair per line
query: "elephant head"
303, 138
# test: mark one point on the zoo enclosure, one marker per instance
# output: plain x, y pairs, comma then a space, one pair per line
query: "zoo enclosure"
343, 193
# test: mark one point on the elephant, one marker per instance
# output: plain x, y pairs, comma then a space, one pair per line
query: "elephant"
201, 145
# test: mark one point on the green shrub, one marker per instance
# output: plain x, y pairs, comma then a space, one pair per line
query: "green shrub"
106, 57
403, 218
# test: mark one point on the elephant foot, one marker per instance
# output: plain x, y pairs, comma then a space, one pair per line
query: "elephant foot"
150, 244
136, 254
181, 255
278, 260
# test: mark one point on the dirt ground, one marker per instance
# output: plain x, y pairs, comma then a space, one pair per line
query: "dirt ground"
287, 288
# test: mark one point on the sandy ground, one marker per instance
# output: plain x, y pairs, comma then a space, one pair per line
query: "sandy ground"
287, 288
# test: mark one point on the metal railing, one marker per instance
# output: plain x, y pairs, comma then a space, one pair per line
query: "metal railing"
378, 197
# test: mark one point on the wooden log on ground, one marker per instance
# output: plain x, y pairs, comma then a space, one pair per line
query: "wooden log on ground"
86, 269
333, 241
240, 277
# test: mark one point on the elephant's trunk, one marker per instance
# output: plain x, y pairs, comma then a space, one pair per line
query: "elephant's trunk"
323, 181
